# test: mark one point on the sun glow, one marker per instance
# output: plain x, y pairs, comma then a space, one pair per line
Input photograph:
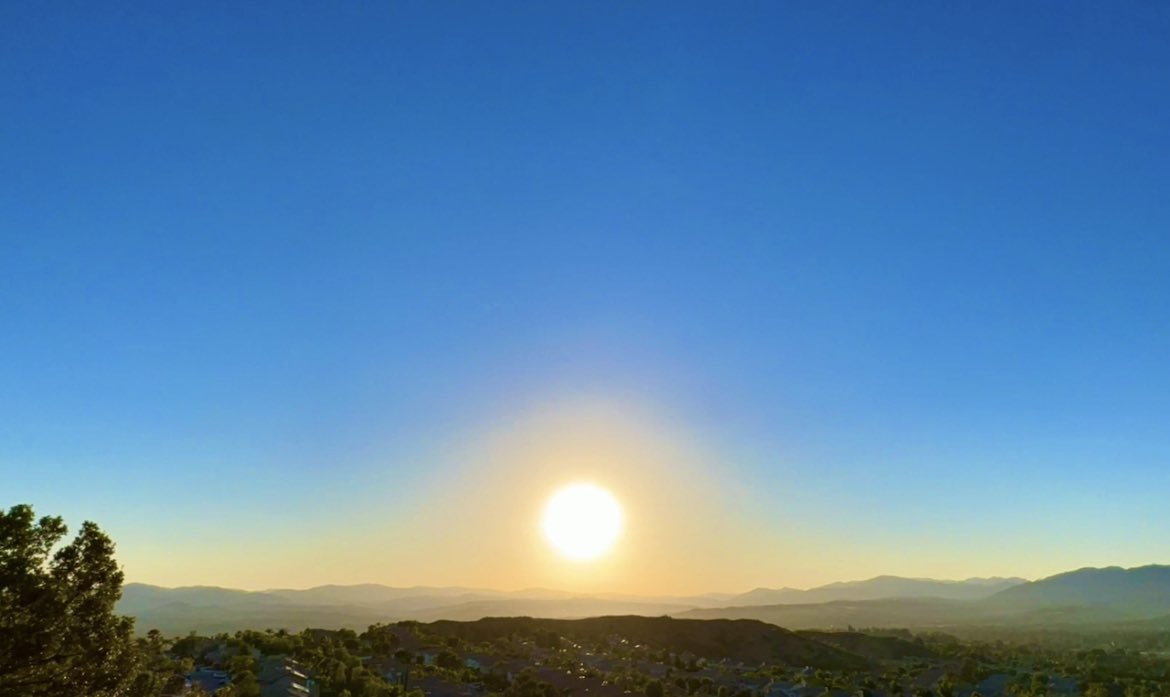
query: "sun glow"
582, 521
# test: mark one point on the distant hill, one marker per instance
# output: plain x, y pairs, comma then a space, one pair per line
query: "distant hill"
915, 613
1083, 597
892, 612
740, 640
567, 608
139, 597
1141, 592
881, 648
1077, 598
879, 588
211, 609
373, 594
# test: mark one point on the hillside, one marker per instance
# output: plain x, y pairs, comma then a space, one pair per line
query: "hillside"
568, 608
739, 640
899, 612
1077, 598
880, 648
878, 588
1141, 592
210, 609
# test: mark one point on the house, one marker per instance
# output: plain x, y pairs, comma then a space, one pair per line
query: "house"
806, 691
511, 668
433, 686
930, 677
780, 689
994, 685
209, 680
577, 684
283, 677
1063, 686
478, 661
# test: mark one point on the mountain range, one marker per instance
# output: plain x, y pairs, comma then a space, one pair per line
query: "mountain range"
1076, 597
879, 588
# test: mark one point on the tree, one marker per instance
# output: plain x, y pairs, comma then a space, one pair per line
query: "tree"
245, 685
158, 673
547, 639
654, 689
240, 664
527, 684
381, 640
1039, 686
59, 636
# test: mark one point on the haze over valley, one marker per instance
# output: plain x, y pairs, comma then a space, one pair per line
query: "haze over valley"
1085, 597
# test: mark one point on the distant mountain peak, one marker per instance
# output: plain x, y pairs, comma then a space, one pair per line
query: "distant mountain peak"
1139, 591
879, 587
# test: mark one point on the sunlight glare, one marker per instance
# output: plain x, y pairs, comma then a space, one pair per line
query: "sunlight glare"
582, 521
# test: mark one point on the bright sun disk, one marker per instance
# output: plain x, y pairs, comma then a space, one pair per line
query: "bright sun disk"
582, 521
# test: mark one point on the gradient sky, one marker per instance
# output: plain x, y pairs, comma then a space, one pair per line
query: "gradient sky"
295, 294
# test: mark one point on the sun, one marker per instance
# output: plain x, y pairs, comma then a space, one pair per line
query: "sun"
582, 521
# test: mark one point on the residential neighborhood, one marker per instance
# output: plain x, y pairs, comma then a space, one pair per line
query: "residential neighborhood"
593, 658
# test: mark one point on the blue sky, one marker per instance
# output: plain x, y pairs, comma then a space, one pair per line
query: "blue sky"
900, 272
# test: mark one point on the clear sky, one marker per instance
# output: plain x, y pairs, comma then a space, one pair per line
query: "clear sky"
339, 292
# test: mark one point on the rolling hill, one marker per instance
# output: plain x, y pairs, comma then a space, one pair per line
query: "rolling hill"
741, 640
1140, 592
894, 612
878, 588
873, 647
211, 609
1083, 597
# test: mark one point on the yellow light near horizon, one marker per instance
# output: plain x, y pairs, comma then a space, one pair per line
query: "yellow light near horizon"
582, 521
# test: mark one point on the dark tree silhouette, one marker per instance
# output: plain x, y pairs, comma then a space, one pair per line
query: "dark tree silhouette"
59, 636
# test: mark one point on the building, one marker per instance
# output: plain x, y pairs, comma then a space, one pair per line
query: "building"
283, 677
209, 680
